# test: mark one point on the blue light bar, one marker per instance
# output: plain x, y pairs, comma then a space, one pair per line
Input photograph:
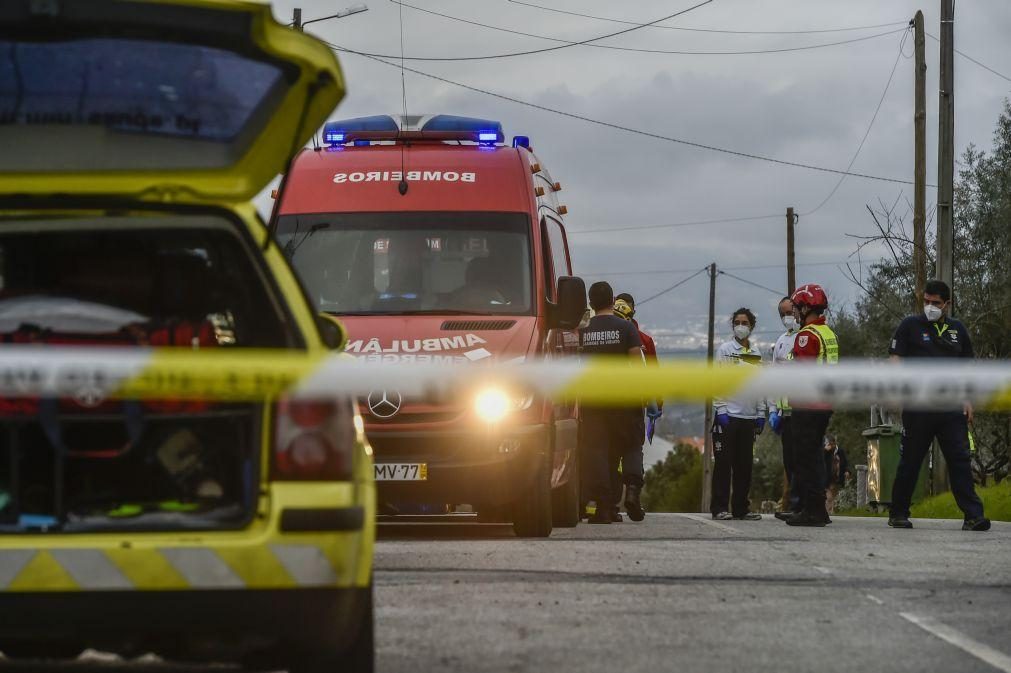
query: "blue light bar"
483, 130
336, 132
521, 141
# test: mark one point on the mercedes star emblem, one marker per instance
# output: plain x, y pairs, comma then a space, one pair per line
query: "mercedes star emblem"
384, 403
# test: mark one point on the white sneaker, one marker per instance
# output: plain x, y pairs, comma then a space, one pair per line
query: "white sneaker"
723, 516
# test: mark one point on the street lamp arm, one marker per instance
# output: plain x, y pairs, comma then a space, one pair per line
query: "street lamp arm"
356, 9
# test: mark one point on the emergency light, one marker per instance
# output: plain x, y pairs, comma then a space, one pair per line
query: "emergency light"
436, 127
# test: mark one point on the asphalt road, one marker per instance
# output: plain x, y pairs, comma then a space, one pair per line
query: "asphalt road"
682, 592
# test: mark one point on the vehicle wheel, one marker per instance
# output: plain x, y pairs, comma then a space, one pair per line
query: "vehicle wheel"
532, 511
359, 657
565, 503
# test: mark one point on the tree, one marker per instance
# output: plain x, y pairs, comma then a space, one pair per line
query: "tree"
675, 485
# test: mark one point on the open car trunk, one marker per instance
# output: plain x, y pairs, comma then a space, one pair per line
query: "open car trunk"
164, 279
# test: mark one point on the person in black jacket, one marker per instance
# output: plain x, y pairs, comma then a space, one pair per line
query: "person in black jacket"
934, 335
837, 469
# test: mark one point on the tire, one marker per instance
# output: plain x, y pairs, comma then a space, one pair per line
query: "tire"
358, 657
532, 510
565, 503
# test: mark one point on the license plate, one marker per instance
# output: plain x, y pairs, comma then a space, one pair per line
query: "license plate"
401, 471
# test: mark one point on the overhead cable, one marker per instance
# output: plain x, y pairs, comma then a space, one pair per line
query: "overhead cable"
672, 287
627, 129
713, 30
563, 44
970, 58
778, 293
761, 267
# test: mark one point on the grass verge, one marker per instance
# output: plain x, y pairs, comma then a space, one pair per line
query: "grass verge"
996, 504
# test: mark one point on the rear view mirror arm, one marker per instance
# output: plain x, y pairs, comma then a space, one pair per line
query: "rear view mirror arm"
313, 87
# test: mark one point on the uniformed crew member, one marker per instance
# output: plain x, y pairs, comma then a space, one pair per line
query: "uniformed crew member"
735, 424
816, 342
606, 431
780, 419
934, 335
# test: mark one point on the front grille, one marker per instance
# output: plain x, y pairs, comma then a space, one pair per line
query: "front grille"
475, 325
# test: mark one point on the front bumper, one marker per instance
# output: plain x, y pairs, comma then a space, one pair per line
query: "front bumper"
473, 467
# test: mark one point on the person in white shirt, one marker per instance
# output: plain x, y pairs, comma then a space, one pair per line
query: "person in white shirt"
779, 410
735, 425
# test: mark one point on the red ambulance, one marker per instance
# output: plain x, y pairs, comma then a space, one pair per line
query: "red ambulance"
434, 241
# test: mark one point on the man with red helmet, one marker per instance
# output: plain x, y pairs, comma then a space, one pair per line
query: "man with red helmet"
816, 342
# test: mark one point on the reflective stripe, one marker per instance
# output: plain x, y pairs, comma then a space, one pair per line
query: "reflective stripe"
202, 568
828, 344
306, 564
12, 561
91, 569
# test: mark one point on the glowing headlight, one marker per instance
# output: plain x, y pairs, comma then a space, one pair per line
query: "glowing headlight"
494, 404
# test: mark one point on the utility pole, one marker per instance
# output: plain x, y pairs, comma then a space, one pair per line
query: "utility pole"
707, 454
919, 166
296, 18
791, 261
946, 148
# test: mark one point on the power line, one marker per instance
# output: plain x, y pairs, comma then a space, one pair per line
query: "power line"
970, 58
529, 52
712, 30
863, 140
627, 129
778, 293
729, 268
672, 287
587, 43
675, 224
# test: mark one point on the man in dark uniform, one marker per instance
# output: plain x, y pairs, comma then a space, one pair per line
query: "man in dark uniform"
933, 335
606, 431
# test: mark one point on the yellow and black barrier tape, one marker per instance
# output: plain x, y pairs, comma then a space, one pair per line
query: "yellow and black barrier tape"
236, 375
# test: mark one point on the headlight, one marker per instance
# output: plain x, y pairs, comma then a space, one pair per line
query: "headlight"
494, 404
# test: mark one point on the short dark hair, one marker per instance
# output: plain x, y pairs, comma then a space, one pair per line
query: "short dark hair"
745, 312
628, 299
938, 287
601, 295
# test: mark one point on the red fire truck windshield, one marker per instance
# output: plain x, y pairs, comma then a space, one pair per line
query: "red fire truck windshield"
412, 263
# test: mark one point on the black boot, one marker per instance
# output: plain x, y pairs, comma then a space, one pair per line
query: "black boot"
632, 503
809, 519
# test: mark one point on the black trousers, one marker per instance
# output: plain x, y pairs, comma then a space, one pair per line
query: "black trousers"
733, 453
919, 428
604, 437
809, 426
632, 472
794, 501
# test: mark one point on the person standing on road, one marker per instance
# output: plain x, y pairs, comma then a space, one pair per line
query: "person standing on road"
606, 431
815, 343
934, 335
632, 471
736, 424
780, 413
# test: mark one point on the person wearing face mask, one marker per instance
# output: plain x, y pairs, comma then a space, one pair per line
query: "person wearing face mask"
935, 335
780, 419
736, 423
815, 343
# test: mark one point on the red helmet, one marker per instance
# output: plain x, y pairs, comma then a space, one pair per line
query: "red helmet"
810, 295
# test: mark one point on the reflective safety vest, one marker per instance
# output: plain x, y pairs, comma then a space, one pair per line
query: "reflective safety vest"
828, 348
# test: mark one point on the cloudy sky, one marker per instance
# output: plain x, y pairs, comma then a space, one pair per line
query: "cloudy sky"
809, 106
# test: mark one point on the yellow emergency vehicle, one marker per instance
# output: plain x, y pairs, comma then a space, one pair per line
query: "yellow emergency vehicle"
135, 134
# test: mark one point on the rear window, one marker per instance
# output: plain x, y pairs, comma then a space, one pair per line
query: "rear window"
124, 104
152, 281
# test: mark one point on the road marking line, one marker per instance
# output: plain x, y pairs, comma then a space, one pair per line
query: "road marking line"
874, 598
823, 571
702, 518
995, 658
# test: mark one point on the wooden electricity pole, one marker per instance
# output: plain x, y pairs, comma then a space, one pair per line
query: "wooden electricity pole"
919, 166
707, 453
946, 148
296, 18
791, 261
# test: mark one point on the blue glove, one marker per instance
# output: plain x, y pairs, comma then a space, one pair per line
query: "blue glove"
723, 420
653, 411
759, 424
776, 422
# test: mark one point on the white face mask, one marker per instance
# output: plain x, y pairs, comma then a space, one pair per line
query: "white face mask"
789, 322
932, 312
741, 331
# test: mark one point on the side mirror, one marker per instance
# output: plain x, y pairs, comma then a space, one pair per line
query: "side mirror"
570, 306
331, 331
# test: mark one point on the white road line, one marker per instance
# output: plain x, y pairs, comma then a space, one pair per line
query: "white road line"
875, 599
995, 658
702, 518
822, 570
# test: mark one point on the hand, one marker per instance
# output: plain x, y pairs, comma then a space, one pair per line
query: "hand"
723, 420
967, 408
759, 425
653, 411
776, 422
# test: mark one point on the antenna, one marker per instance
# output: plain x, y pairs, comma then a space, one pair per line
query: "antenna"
402, 186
